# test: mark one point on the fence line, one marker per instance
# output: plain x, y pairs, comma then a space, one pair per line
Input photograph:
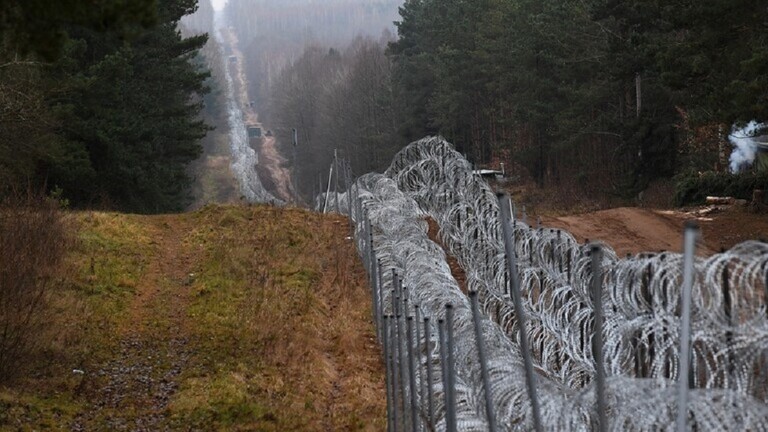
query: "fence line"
640, 296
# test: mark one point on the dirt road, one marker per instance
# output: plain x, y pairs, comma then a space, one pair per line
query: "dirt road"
153, 348
633, 230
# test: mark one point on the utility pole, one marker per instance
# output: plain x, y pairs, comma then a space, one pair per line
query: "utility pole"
295, 167
336, 184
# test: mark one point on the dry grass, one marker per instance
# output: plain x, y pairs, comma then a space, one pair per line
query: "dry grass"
282, 287
271, 305
213, 181
84, 307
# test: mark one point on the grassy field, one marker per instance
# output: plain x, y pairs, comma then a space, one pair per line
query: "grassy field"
227, 318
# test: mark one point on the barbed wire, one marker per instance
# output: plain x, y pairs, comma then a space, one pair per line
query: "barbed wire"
640, 296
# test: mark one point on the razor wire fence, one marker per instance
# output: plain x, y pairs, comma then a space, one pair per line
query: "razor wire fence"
545, 374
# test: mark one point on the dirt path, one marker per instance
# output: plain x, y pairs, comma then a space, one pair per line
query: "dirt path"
627, 230
153, 341
272, 165
633, 230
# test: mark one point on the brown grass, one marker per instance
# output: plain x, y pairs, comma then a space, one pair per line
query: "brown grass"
285, 287
230, 318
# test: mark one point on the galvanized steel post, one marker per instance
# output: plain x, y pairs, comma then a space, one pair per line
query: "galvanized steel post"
412, 375
444, 372
388, 373
450, 368
489, 412
689, 248
430, 382
519, 312
597, 336
419, 374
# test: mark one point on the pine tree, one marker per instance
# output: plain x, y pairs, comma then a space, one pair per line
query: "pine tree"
135, 109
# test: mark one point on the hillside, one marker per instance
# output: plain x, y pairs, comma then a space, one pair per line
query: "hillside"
227, 318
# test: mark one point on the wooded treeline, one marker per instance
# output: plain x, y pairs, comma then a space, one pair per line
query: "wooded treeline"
274, 33
100, 103
339, 100
321, 68
595, 96
599, 94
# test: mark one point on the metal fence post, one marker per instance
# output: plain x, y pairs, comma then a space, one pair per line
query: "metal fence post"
519, 312
419, 373
489, 412
597, 336
689, 248
336, 182
388, 375
373, 271
444, 371
348, 181
430, 382
400, 367
405, 365
729, 319
393, 352
359, 203
380, 283
450, 368
412, 374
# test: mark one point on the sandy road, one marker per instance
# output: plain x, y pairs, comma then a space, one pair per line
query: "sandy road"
627, 230
633, 230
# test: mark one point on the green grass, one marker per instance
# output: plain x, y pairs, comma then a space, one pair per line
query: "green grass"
30, 413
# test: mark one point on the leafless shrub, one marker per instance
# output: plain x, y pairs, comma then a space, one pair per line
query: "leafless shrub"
33, 239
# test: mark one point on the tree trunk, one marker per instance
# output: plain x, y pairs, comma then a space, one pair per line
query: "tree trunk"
758, 200
638, 93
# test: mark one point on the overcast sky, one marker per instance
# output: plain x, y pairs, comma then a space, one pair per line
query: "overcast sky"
218, 4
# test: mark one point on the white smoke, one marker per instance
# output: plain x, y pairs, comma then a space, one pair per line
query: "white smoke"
744, 144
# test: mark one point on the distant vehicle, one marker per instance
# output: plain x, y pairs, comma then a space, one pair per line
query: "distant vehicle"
254, 132
233, 59
269, 133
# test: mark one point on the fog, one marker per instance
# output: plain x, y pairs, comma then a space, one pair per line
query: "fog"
296, 22
273, 33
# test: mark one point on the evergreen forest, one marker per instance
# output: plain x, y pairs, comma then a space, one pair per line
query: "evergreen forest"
586, 98
100, 103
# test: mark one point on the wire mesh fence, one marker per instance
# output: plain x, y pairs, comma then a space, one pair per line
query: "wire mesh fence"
571, 336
